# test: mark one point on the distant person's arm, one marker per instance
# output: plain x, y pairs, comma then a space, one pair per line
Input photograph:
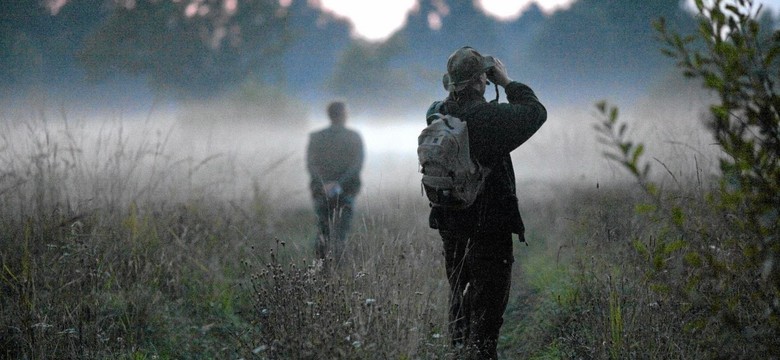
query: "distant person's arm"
356, 165
312, 160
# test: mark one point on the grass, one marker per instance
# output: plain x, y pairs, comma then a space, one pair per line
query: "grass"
111, 248
116, 248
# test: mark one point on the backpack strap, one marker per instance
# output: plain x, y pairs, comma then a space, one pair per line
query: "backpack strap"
437, 107
434, 109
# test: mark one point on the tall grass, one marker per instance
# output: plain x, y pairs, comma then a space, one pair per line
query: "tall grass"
111, 246
114, 245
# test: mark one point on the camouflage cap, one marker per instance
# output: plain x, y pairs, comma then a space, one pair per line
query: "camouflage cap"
463, 66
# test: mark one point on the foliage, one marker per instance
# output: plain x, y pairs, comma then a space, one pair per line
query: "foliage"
188, 46
367, 68
250, 102
715, 254
740, 64
33, 42
17, 52
579, 42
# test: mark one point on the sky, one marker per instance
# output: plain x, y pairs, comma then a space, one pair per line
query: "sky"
768, 5
377, 20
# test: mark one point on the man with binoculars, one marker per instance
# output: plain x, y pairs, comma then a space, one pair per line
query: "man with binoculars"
478, 239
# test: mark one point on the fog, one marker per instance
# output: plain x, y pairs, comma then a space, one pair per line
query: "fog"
185, 115
231, 158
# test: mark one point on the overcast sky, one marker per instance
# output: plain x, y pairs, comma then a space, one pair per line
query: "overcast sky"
377, 20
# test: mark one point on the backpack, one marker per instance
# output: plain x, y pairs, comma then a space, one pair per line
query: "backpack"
451, 179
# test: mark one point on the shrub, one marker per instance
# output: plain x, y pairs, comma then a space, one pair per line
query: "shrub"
711, 260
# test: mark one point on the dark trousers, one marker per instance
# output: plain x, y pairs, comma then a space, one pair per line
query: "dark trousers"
334, 219
479, 270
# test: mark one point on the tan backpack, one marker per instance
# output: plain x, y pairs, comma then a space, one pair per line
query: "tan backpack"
451, 178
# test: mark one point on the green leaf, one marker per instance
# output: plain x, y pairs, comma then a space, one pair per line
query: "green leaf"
602, 106
770, 57
719, 111
637, 153
674, 246
678, 217
733, 9
652, 189
660, 288
696, 324
658, 262
641, 248
613, 157
644, 208
660, 24
693, 259
754, 27
713, 81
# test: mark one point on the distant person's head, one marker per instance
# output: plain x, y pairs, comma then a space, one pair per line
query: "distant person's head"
337, 112
466, 71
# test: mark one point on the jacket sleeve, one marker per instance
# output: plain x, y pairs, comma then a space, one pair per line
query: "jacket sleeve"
311, 159
353, 171
506, 126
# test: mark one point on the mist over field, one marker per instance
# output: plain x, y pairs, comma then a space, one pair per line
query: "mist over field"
237, 149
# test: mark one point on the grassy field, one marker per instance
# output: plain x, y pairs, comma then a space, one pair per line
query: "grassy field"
113, 247
116, 248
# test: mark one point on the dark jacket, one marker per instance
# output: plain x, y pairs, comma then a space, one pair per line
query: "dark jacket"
495, 129
335, 154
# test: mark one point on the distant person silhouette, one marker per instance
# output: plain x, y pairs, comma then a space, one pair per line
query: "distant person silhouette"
334, 160
477, 240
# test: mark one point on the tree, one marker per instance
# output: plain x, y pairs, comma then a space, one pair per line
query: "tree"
191, 47
365, 74
17, 50
602, 44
